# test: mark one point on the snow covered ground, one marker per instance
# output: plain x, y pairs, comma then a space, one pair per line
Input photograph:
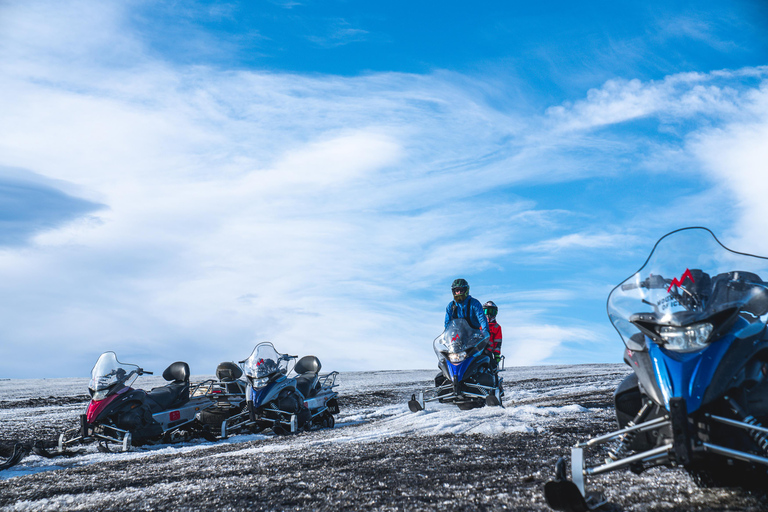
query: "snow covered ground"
380, 456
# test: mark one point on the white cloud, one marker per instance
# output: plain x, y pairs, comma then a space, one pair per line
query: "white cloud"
580, 241
736, 156
725, 146
530, 343
676, 97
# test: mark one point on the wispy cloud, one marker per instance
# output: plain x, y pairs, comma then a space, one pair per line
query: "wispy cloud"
580, 241
338, 32
704, 27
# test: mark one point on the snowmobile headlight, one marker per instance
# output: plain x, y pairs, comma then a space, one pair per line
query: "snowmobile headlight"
457, 357
687, 338
99, 395
260, 383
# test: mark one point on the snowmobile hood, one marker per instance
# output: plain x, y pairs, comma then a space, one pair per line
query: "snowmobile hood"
96, 407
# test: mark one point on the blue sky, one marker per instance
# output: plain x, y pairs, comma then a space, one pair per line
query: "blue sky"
183, 180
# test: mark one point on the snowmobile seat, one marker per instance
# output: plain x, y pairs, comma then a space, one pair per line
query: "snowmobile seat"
228, 372
307, 384
177, 372
165, 397
308, 364
177, 392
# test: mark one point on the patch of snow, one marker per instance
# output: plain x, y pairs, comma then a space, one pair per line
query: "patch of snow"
370, 423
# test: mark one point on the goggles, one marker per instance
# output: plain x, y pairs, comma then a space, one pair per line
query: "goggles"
490, 311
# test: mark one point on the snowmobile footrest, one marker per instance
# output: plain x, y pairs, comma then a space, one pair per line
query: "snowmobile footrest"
416, 404
564, 495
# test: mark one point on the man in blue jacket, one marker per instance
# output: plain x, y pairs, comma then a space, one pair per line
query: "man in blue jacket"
465, 306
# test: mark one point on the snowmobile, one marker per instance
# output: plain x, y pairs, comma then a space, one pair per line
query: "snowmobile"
281, 402
228, 394
119, 414
468, 377
693, 320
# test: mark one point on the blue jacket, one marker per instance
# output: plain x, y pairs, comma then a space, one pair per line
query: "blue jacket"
475, 313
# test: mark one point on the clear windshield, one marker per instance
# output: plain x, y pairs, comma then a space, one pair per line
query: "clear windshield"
265, 360
108, 371
458, 337
689, 276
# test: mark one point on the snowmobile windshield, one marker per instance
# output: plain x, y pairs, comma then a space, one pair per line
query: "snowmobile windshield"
458, 337
109, 372
689, 283
265, 361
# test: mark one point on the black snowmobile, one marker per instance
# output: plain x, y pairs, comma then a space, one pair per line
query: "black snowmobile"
120, 414
693, 320
468, 377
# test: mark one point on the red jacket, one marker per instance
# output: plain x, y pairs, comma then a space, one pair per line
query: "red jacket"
494, 343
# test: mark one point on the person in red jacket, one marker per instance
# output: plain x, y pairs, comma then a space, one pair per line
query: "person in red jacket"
494, 343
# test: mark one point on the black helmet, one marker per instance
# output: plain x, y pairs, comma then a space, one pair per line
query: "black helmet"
460, 289
491, 310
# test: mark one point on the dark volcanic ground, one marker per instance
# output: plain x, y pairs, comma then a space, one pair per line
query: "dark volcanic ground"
357, 467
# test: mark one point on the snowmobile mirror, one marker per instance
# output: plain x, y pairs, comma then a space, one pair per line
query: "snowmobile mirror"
758, 303
751, 330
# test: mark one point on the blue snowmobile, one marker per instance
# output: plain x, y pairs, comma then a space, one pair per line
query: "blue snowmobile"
468, 378
693, 320
283, 402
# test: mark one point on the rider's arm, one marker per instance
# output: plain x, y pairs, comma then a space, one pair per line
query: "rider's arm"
477, 310
448, 315
497, 339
